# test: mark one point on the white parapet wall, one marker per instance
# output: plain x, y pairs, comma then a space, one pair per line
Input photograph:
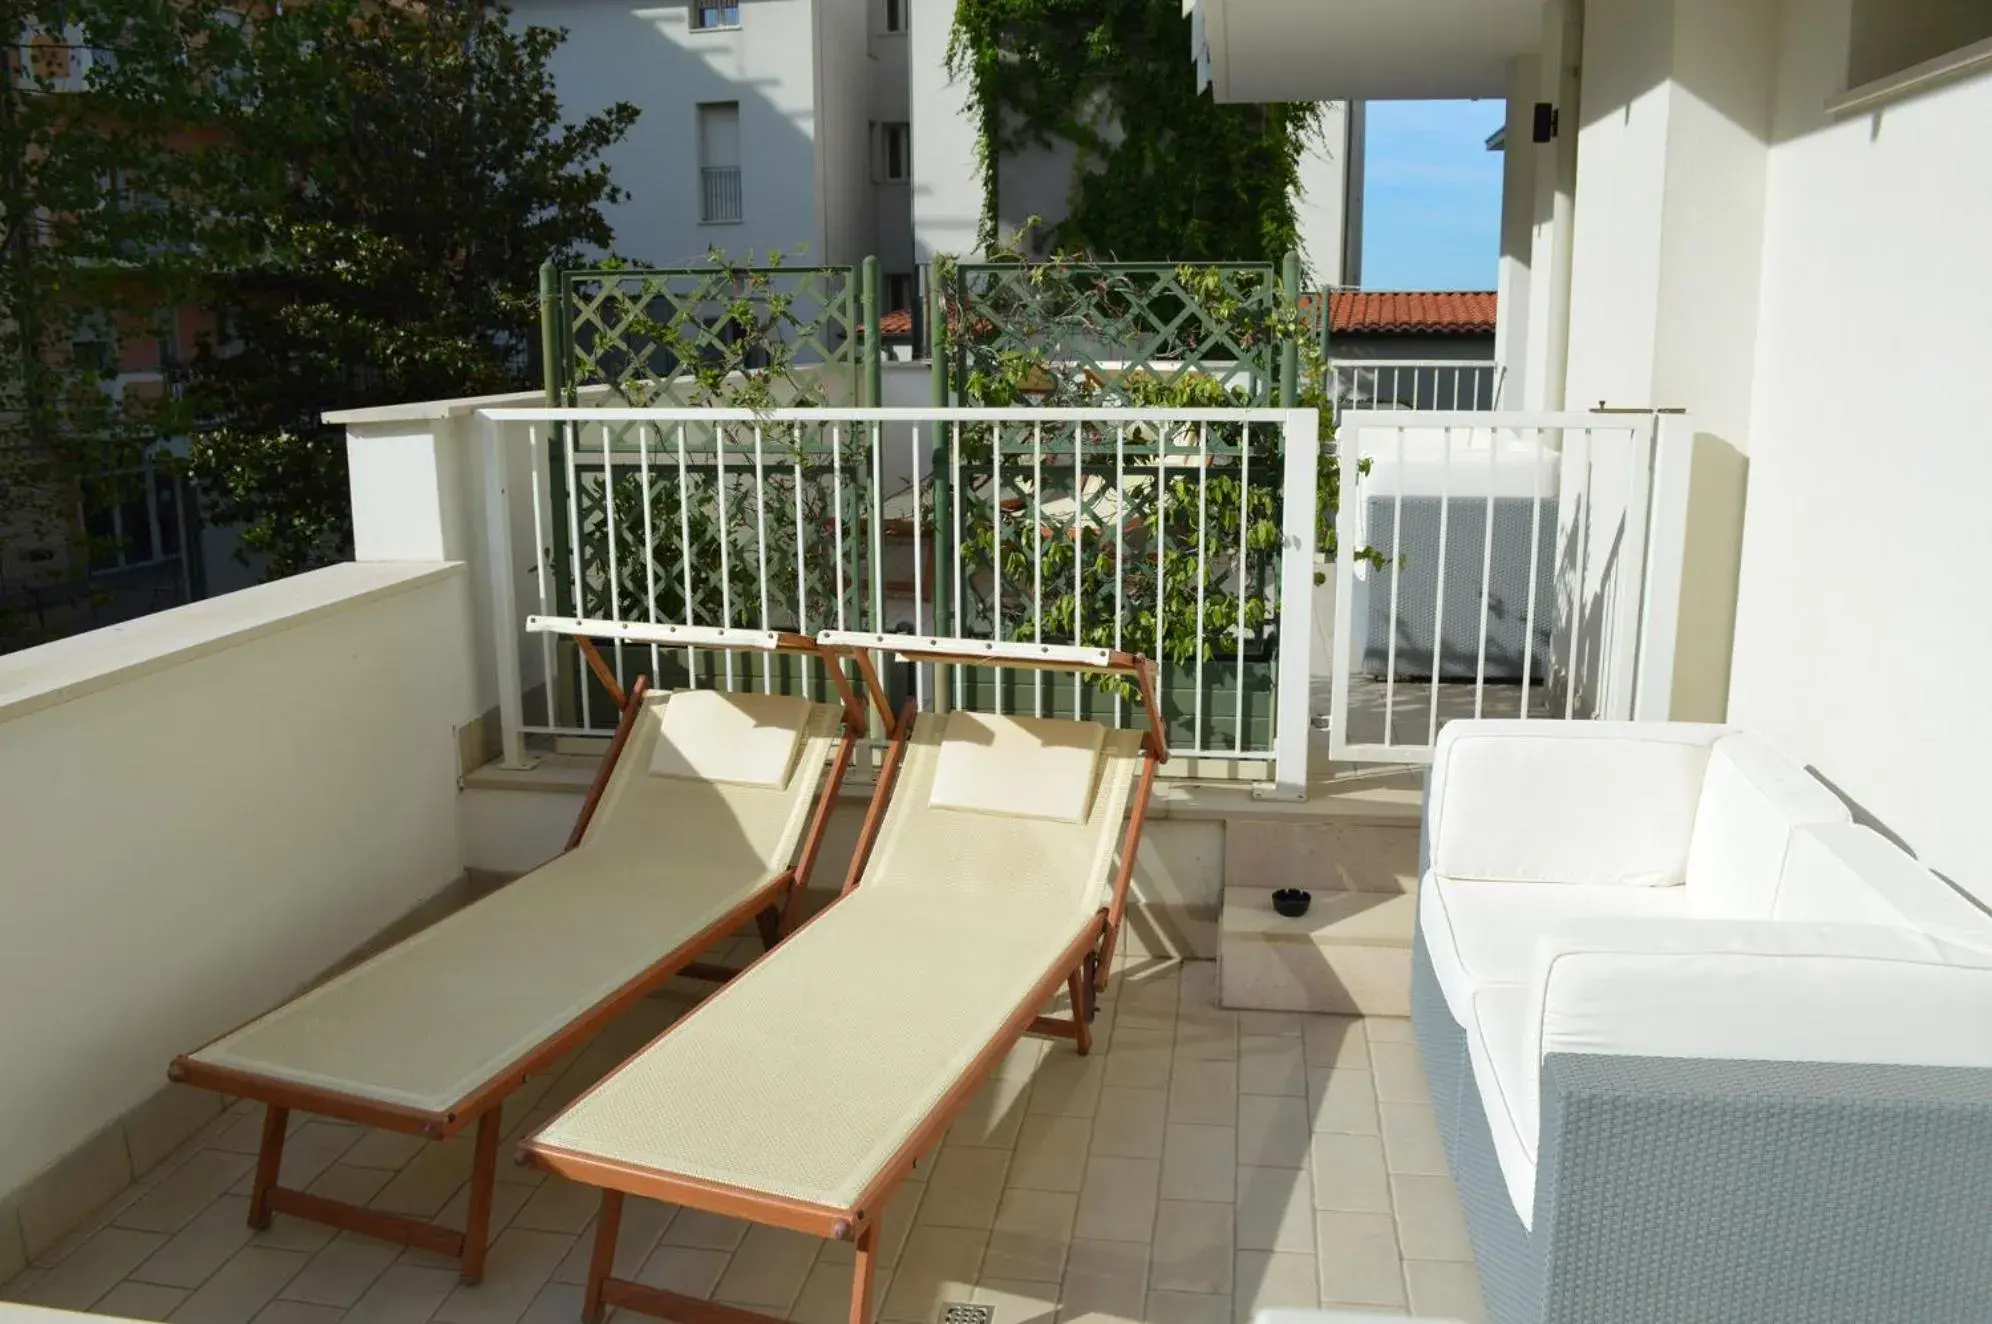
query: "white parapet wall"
204, 809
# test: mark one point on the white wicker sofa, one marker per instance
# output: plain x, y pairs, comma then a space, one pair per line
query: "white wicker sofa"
1700, 1047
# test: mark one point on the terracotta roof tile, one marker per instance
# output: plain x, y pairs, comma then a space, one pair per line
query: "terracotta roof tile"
899, 322
1435, 312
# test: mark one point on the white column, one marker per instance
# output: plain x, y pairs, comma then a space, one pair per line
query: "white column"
1518, 159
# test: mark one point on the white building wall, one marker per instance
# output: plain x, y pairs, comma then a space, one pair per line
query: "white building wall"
947, 183
1867, 551
648, 56
1330, 193
892, 103
844, 77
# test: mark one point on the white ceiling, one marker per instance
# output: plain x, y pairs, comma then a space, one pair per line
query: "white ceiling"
1369, 50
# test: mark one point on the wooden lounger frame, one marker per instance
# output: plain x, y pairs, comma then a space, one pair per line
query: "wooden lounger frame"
1080, 968
771, 906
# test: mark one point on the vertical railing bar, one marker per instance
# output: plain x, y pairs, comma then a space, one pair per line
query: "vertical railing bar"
537, 457
1120, 551
1078, 558
1439, 595
919, 558
876, 446
1162, 435
1583, 578
573, 435
1238, 591
725, 550
1486, 567
996, 546
1396, 574
1535, 557
649, 540
685, 554
1203, 572
615, 572
837, 515
1037, 554
801, 574
955, 483
761, 549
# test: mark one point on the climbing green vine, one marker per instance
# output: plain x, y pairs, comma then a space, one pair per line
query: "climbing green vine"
1161, 171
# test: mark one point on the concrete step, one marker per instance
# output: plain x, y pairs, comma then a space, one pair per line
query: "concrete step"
1350, 954
1339, 857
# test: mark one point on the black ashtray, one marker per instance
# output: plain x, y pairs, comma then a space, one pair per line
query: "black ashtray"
1291, 902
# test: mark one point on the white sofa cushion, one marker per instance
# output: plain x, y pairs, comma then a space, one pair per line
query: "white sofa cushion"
1496, 1051
1852, 874
1479, 934
1752, 797
711, 735
1566, 802
1027, 767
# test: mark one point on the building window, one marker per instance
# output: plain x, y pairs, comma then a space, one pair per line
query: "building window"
898, 291
1892, 36
895, 153
895, 15
713, 18
719, 162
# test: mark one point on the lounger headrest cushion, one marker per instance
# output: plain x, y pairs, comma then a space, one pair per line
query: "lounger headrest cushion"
1025, 767
746, 739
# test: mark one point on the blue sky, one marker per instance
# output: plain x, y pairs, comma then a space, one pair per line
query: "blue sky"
1431, 195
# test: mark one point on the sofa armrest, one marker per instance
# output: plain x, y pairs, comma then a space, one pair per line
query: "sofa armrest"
1514, 800
1673, 1189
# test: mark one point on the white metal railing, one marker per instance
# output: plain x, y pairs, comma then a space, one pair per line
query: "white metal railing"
1415, 383
1103, 526
1526, 565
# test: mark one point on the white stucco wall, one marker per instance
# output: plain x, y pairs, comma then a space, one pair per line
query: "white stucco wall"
1328, 196
844, 78
947, 188
204, 809
1867, 552
648, 56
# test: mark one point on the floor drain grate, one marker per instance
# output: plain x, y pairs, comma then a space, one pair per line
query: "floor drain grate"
956, 1313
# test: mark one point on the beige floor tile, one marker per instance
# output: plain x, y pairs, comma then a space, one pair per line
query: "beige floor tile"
1139, 1059
1129, 1123
383, 1149
1108, 1259
1271, 1280
312, 1148
157, 1128
1193, 1247
1051, 1153
1349, 1174
426, 1183
704, 1231
1199, 1162
193, 1253
1117, 1199
243, 1131
559, 1206
297, 1312
1204, 1093
1447, 1289
91, 1270
1067, 1085
768, 1270
1411, 1142
1289, 1024
351, 1183
1271, 1064
405, 1294
1400, 1076
1188, 1308
129, 1300
994, 1115
1104, 1282
1430, 1224
343, 1272
1022, 1060
643, 1223
1272, 1131
180, 1198
1275, 1210
1017, 1301
1206, 1036
250, 1280
506, 1201
894, 1227
1336, 1041
826, 1295
1032, 1235
939, 1265
1388, 1030
1196, 987
557, 1303
520, 1263
964, 1187
686, 1270
1344, 1100
1359, 1260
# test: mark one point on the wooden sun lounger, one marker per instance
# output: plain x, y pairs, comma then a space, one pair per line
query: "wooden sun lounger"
431, 1035
802, 1094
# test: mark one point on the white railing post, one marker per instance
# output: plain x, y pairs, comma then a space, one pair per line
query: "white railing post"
504, 600
1301, 447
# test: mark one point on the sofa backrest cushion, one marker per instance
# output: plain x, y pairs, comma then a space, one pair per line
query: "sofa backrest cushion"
1752, 798
1566, 802
1847, 873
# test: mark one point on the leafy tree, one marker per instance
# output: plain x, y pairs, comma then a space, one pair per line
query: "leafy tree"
383, 181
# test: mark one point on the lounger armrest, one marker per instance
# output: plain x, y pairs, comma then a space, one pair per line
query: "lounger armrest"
1566, 802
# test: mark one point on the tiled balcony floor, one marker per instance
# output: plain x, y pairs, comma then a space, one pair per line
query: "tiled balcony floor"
1201, 1164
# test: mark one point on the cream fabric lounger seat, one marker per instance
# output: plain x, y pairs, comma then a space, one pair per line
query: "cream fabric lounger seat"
434, 1032
799, 1095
